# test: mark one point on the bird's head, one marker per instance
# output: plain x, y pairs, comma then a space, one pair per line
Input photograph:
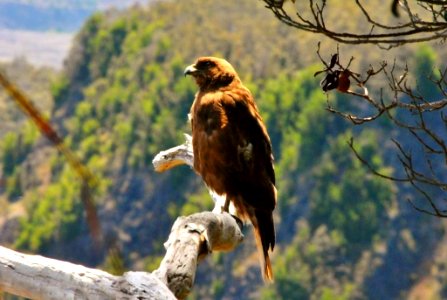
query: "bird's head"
211, 72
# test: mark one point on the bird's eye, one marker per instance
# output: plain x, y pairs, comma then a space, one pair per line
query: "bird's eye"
207, 64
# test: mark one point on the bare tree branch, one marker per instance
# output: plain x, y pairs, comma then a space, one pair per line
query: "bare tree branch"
175, 156
370, 167
38, 277
432, 143
413, 29
191, 239
405, 107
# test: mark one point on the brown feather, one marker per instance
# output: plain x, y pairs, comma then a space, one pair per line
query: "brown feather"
232, 150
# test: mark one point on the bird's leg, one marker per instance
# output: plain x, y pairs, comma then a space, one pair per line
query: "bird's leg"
226, 206
238, 221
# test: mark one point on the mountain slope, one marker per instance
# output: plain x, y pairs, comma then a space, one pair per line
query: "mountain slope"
122, 98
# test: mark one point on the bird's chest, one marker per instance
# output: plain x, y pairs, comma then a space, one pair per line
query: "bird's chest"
212, 142
209, 118
210, 132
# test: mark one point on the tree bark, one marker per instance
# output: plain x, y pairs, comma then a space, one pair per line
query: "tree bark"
38, 277
179, 155
191, 239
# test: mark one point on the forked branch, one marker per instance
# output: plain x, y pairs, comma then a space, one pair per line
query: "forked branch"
191, 239
411, 28
407, 109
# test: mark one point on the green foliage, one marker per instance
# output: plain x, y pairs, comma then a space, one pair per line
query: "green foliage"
293, 109
218, 288
346, 294
9, 154
59, 89
114, 262
281, 100
425, 62
123, 98
13, 185
306, 266
348, 199
14, 149
197, 203
54, 216
139, 36
313, 124
152, 262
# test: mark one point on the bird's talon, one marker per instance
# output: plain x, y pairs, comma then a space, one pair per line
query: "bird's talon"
238, 221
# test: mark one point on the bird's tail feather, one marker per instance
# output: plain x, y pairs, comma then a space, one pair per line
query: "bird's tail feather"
265, 240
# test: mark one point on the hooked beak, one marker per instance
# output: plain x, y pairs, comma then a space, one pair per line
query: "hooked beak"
190, 70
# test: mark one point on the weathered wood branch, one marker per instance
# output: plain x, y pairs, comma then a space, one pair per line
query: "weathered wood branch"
191, 239
183, 155
194, 236
418, 23
38, 277
179, 155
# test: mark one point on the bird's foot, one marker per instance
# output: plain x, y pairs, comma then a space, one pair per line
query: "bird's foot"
238, 221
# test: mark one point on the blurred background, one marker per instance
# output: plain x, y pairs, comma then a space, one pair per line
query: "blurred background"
109, 76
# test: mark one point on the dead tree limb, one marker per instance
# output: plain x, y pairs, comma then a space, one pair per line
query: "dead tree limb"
183, 155
423, 156
175, 156
38, 277
191, 239
194, 236
419, 22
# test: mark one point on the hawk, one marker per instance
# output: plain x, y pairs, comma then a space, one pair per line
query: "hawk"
232, 150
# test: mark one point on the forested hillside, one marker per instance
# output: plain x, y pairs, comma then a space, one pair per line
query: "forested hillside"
342, 232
